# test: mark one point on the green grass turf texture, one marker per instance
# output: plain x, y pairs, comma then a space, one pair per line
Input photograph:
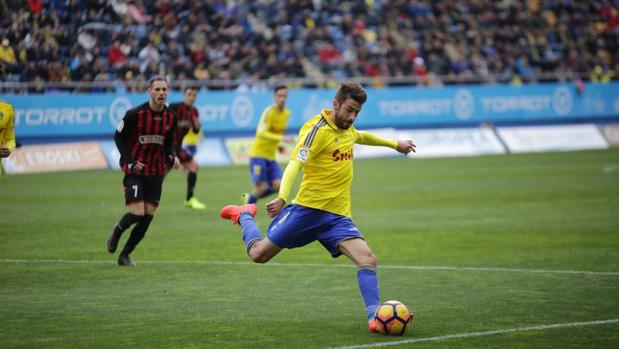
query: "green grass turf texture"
556, 211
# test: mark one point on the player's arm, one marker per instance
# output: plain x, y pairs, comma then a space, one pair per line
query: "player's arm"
309, 145
169, 148
402, 146
8, 143
197, 125
121, 137
263, 128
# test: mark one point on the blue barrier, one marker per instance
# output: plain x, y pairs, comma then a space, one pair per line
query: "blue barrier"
401, 107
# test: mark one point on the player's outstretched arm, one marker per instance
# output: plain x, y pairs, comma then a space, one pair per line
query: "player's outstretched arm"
403, 146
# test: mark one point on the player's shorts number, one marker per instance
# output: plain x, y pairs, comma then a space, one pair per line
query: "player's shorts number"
135, 190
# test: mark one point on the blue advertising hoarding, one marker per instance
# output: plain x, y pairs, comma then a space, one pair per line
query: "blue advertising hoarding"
402, 107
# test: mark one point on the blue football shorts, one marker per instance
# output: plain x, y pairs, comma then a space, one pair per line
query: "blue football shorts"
190, 149
297, 226
263, 170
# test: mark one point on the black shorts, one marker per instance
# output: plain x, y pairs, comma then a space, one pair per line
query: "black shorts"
142, 188
183, 156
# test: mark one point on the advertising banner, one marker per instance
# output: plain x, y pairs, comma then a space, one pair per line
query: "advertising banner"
454, 142
398, 107
611, 132
56, 157
212, 152
552, 138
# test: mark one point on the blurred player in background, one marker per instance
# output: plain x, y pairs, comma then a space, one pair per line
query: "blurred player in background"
191, 140
145, 140
321, 211
7, 129
187, 119
265, 172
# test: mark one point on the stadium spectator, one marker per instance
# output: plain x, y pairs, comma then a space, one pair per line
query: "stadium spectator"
145, 140
7, 55
321, 210
480, 41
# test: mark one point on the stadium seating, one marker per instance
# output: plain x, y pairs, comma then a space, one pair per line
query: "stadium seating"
418, 41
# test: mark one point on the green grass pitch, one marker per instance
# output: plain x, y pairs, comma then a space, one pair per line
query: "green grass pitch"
526, 241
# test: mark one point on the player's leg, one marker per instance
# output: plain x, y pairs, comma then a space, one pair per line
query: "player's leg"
258, 249
358, 251
134, 191
294, 226
152, 194
275, 177
192, 177
275, 185
259, 170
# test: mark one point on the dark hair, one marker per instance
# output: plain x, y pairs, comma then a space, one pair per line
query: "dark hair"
156, 78
190, 88
351, 89
279, 87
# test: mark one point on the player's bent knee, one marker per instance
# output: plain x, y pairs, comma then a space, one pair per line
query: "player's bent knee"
369, 260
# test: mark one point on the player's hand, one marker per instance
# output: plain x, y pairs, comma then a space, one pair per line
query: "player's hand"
197, 124
138, 167
177, 163
406, 146
275, 206
5, 152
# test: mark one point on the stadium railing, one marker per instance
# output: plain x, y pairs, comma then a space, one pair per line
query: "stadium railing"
121, 86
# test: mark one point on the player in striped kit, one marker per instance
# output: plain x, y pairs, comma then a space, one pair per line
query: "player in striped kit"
187, 119
145, 140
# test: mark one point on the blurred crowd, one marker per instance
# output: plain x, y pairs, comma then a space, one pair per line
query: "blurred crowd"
433, 42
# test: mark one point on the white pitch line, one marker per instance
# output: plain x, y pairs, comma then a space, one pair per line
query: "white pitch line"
317, 265
610, 168
480, 334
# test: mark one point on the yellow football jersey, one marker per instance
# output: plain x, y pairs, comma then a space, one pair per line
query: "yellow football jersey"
327, 154
270, 131
7, 131
192, 138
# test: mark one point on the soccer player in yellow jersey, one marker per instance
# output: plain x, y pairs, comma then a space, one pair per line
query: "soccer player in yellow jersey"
321, 209
7, 130
265, 172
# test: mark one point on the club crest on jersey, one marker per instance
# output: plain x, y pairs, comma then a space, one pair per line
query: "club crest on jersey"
303, 154
151, 139
342, 156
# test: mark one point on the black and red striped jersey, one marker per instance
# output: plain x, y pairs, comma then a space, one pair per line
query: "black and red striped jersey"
185, 116
147, 136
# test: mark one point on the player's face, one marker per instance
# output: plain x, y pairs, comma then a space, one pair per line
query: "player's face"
345, 114
190, 96
158, 93
280, 97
